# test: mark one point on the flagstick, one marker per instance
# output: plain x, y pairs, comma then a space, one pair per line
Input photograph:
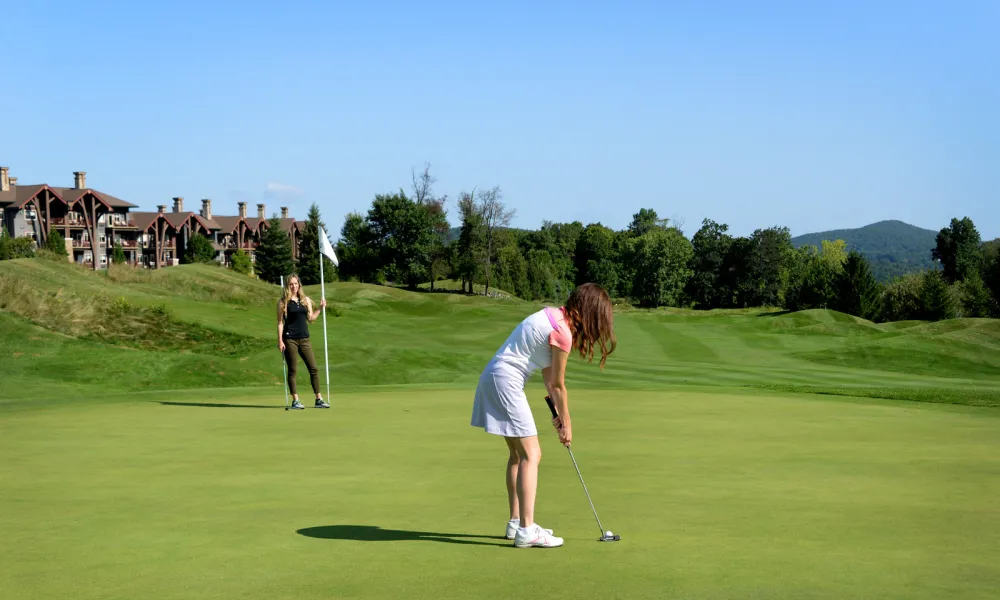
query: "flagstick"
326, 348
284, 375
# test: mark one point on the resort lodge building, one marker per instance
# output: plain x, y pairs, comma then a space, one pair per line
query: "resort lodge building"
94, 222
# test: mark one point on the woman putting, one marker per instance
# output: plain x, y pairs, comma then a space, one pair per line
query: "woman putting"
295, 311
542, 341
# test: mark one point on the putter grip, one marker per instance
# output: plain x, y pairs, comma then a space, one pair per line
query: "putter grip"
552, 407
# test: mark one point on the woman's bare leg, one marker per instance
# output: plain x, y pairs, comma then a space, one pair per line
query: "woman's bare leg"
529, 454
512, 461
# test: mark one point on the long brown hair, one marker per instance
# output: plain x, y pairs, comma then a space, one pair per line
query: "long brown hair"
286, 296
591, 317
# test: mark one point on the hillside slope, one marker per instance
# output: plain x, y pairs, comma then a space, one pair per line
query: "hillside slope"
894, 248
68, 334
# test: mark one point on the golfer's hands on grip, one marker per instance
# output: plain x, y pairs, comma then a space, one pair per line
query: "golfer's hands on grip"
565, 433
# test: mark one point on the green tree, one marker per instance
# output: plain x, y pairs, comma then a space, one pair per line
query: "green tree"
710, 245
495, 216
511, 270
857, 290
470, 240
901, 298
958, 250
274, 254
541, 277
936, 300
357, 253
56, 242
11, 247
991, 279
119, 255
241, 262
596, 258
309, 256
404, 236
769, 267
814, 275
736, 286
644, 221
661, 258
976, 299
199, 250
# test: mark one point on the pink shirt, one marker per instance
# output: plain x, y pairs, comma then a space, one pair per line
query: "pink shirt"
561, 336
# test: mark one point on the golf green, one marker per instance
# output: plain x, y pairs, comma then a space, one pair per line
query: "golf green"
145, 452
223, 494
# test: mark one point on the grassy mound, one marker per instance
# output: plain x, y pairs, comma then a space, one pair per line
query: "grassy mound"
196, 322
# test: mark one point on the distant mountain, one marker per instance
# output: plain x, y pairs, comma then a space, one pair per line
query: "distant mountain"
892, 247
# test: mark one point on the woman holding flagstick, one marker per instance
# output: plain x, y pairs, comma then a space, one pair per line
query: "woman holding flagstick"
295, 312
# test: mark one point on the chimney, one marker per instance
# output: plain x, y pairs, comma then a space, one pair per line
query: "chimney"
80, 178
5, 179
284, 212
260, 212
243, 209
161, 208
13, 181
178, 204
206, 209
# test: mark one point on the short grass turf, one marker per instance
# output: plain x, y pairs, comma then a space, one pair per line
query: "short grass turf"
391, 494
739, 454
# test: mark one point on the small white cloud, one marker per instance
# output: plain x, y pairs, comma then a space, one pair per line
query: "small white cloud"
283, 189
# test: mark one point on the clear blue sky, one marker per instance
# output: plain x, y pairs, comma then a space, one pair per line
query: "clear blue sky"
783, 113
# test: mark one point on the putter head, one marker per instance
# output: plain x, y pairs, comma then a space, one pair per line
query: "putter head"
610, 538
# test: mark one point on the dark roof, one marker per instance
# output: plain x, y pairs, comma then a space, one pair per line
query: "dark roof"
22, 194
144, 219
177, 219
228, 224
254, 222
71, 195
288, 224
208, 223
9, 196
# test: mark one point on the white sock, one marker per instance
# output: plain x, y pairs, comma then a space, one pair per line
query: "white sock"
514, 521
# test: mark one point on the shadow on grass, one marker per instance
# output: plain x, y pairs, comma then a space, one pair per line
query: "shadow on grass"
779, 313
216, 405
374, 533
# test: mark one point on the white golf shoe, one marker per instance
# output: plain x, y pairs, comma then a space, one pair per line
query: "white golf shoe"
512, 526
536, 537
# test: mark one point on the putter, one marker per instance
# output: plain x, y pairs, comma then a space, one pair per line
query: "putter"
606, 536
285, 382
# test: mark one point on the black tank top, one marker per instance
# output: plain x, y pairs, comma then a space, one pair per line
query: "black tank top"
296, 321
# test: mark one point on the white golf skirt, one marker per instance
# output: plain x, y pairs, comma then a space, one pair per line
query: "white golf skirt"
501, 406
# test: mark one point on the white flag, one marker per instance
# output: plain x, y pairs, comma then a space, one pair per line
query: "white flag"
326, 249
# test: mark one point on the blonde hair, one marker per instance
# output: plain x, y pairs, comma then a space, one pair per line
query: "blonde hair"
286, 296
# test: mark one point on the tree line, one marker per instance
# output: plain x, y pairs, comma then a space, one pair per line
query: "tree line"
406, 239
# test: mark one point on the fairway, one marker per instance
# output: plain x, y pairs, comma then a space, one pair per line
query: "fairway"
738, 454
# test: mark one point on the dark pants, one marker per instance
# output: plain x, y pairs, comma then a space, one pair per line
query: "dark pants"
294, 349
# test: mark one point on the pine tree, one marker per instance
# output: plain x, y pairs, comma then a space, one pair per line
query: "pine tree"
309, 255
274, 254
857, 290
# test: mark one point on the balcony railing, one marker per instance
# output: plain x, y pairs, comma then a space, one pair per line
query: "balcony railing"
71, 221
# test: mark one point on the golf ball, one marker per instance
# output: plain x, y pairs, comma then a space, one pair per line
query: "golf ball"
608, 533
